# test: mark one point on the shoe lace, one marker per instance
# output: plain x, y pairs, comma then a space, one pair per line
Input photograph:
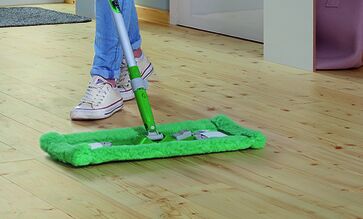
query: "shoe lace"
94, 94
124, 77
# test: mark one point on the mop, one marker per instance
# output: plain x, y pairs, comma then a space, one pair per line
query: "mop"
218, 134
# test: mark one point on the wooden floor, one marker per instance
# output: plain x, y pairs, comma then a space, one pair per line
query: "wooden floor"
311, 168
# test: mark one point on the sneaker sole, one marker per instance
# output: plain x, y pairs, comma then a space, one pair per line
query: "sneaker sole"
129, 94
80, 115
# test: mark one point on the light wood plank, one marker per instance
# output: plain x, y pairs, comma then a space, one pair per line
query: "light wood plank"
18, 203
153, 15
62, 192
10, 154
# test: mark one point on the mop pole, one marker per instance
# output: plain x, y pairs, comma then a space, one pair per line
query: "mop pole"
138, 84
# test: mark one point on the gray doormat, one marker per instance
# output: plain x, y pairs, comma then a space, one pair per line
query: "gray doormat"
33, 16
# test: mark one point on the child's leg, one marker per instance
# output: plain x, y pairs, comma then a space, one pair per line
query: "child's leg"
108, 51
103, 98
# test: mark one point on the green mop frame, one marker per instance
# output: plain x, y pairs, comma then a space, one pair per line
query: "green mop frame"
149, 141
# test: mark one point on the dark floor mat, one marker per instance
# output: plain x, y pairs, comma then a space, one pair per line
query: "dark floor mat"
33, 16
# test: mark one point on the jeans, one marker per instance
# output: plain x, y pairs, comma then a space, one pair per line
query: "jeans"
108, 51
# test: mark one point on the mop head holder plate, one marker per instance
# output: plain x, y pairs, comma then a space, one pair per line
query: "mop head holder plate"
125, 144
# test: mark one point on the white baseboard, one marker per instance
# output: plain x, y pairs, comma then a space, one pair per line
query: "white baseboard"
27, 2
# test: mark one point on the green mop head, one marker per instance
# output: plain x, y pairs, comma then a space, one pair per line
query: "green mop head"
89, 148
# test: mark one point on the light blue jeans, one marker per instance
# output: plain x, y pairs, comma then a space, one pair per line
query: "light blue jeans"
108, 51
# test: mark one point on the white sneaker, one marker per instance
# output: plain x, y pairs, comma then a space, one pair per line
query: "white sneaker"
124, 84
100, 101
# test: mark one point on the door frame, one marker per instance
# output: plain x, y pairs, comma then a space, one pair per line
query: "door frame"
173, 10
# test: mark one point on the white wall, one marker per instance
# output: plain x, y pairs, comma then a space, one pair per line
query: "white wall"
289, 32
239, 18
24, 2
86, 8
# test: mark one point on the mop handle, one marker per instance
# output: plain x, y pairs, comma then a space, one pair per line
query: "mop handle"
123, 33
138, 84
